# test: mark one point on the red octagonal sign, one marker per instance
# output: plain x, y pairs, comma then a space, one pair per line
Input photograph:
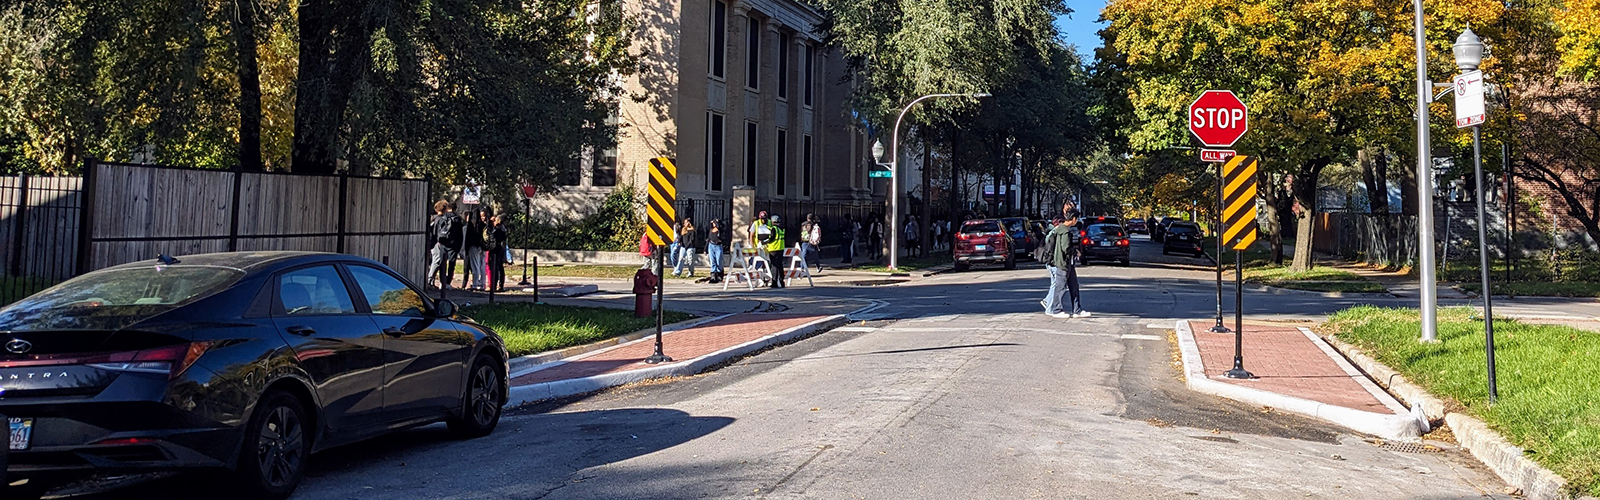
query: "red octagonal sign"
1218, 118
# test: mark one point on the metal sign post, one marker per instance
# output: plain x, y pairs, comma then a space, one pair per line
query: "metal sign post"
661, 214
1219, 328
1218, 119
1470, 112
1239, 231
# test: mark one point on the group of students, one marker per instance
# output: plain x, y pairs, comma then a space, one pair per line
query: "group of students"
479, 239
766, 234
939, 235
1060, 253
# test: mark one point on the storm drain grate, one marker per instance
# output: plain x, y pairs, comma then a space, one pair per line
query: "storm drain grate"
1408, 447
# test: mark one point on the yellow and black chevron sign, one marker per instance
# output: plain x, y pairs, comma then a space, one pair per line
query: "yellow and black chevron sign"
1239, 202
663, 193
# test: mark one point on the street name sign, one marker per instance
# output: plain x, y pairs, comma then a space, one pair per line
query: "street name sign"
663, 193
877, 174
1218, 118
1216, 155
1469, 99
1239, 202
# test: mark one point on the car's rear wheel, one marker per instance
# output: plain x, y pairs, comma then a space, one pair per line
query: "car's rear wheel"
480, 410
1123, 262
1011, 263
1164, 251
276, 445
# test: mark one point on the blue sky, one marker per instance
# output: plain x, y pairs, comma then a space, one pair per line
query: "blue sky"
1080, 28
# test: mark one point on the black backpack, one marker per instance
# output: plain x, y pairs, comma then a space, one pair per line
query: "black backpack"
1046, 252
447, 230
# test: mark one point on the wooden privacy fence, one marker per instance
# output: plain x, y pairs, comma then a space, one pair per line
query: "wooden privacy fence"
38, 232
137, 212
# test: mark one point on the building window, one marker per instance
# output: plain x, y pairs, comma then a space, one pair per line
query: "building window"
752, 60
605, 168
573, 174
719, 39
714, 139
783, 161
783, 66
750, 153
810, 69
805, 164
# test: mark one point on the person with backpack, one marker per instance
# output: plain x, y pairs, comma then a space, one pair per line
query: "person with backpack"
472, 250
716, 245
852, 229
911, 236
445, 233
647, 250
499, 251
811, 242
1063, 241
875, 238
1046, 254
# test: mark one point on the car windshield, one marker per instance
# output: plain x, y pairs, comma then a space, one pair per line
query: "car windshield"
1182, 229
1014, 225
980, 227
1105, 230
115, 298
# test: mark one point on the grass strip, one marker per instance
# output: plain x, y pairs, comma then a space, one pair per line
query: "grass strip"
1548, 378
529, 328
1566, 289
910, 264
1317, 279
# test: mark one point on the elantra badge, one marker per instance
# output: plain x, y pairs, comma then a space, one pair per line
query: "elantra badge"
18, 346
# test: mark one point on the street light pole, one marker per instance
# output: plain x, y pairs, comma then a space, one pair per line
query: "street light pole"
894, 174
1425, 250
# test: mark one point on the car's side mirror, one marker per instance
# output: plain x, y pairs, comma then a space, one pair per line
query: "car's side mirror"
444, 308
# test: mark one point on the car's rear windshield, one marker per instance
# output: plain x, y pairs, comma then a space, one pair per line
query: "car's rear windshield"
1105, 230
1184, 229
980, 227
115, 298
1014, 225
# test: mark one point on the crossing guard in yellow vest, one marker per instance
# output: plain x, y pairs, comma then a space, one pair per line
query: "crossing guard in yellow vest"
775, 251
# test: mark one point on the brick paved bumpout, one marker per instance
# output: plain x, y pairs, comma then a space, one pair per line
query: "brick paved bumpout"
681, 346
1286, 362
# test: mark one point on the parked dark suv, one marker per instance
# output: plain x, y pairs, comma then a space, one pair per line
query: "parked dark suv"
1182, 237
239, 361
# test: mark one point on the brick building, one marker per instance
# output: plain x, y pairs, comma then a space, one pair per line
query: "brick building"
739, 93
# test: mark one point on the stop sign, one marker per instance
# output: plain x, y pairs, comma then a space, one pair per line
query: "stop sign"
1218, 118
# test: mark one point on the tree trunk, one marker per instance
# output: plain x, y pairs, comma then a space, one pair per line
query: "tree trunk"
926, 212
955, 177
244, 32
333, 56
1271, 218
1305, 195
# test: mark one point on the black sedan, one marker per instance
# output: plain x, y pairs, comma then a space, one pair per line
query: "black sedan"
1105, 242
1182, 237
246, 362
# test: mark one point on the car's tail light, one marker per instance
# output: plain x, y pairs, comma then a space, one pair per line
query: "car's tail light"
171, 360
1087, 242
1122, 243
125, 441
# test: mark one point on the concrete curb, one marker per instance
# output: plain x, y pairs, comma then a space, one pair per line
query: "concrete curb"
571, 290
525, 364
1488, 446
1393, 426
573, 387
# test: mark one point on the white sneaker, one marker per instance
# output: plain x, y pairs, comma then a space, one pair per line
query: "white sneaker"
1083, 314
1060, 315
1046, 307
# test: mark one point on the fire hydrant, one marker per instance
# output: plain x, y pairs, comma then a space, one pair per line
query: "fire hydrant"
644, 285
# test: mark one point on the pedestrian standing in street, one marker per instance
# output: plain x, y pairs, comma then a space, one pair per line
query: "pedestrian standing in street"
672, 250
760, 234
686, 235
445, 231
716, 244
472, 250
811, 242
936, 235
852, 230
775, 251
875, 238
1066, 303
1046, 254
647, 251
498, 251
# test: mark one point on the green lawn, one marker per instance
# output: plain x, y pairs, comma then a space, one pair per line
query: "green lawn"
910, 264
595, 271
529, 328
1564, 289
1548, 377
1318, 279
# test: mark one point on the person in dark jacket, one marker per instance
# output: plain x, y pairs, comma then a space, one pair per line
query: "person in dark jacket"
444, 234
472, 249
498, 248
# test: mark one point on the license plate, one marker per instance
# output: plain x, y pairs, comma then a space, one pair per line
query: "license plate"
21, 432
980, 248
1105, 243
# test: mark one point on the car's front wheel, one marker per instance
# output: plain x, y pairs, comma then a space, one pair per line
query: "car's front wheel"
480, 411
276, 445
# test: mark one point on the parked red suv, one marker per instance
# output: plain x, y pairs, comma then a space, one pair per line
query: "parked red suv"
984, 241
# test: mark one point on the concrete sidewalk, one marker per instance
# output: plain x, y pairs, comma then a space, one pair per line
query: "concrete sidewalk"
693, 350
1296, 371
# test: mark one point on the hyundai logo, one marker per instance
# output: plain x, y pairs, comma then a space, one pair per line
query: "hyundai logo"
19, 346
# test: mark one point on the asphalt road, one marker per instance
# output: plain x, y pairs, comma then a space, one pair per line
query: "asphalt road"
959, 388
